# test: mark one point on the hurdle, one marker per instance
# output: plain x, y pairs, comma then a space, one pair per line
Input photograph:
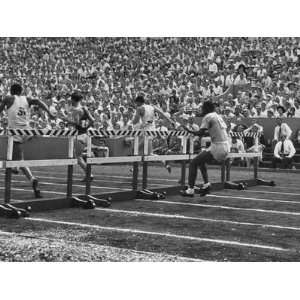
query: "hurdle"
135, 159
226, 165
182, 157
64, 140
188, 154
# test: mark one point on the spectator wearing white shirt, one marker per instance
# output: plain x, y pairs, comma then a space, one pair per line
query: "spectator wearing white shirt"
237, 146
281, 129
240, 80
212, 67
229, 79
283, 153
263, 112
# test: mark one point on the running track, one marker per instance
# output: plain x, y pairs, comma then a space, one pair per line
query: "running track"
259, 224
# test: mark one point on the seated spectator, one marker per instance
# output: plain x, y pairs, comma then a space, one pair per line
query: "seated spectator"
283, 153
281, 111
237, 146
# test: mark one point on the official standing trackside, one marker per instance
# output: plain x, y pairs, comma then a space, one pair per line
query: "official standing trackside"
283, 153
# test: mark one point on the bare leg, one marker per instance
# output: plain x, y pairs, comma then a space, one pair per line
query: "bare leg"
81, 163
18, 154
150, 152
27, 172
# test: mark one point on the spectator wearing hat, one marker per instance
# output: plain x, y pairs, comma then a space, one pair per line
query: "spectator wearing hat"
284, 152
281, 111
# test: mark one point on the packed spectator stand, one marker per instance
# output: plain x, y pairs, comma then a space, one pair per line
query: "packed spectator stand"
245, 77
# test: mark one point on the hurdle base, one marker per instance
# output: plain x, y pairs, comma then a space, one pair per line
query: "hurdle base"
86, 203
10, 211
100, 202
265, 182
149, 194
235, 185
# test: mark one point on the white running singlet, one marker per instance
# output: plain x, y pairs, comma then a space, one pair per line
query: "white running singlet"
19, 113
148, 122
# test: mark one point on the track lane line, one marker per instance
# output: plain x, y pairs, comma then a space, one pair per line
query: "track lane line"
222, 207
94, 180
176, 216
74, 185
252, 199
161, 234
104, 175
270, 192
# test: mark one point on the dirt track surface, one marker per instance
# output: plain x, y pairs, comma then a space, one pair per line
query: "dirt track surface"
259, 224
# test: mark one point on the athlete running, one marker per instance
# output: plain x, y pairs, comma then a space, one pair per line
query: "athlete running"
218, 150
144, 119
81, 119
18, 114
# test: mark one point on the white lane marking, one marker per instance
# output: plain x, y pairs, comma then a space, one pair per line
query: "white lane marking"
6, 233
104, 175
74, 185
269, 192
27, 190
223, 207
94, 180
294, 187
170, 216
252, 199
162, 234
28, 236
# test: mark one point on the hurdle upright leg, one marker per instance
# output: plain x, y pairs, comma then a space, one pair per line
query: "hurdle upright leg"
70, 169
255, 167
135, 175
8, 209
228, 166
145, 174
135, 172
88, 179
7, 190
183, 173
90, 201
223, 168
70, 182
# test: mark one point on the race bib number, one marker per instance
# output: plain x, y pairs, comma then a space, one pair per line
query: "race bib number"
21, 112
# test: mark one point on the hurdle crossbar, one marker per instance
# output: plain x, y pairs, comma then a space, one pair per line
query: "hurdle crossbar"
10, 210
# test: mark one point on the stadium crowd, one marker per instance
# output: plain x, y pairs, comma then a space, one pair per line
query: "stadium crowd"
246, 77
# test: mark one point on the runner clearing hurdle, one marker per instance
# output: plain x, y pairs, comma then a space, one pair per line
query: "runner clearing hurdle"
144, 119
18, 114
81, 119
219, 148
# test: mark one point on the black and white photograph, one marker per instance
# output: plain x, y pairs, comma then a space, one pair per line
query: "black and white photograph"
149, 148
102, 140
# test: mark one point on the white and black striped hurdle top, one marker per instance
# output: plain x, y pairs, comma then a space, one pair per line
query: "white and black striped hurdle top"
245, 134
39, 132
135, 133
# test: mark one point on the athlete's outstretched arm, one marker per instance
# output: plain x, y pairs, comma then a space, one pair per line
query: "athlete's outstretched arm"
42, 105
2, 104
89, 115
201, 132
161, 113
